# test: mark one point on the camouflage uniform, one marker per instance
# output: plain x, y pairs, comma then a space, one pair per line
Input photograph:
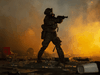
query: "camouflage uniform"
49, 34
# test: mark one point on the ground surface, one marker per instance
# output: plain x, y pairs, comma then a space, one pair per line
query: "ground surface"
45, 68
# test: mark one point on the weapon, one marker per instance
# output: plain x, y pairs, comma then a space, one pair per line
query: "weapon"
62, 17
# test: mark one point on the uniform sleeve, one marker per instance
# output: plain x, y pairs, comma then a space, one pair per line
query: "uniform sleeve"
52, 20
58, 20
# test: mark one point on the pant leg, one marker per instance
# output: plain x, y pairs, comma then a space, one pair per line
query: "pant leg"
57, 42
45, 44
40, 53
60, 53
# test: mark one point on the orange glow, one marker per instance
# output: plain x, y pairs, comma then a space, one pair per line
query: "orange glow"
31, 32
91, 1
86, 38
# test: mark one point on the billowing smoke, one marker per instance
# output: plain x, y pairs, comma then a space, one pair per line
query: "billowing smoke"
83, 33
20, 24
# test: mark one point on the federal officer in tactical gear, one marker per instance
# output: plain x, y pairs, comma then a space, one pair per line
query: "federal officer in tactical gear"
49, 33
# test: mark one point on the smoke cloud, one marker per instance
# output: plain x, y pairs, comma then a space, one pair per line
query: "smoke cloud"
21, 20
19, 25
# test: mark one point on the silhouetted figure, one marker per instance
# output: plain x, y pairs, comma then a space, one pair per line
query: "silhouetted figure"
49, 33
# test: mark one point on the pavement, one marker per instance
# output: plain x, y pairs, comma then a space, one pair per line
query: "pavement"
45, 68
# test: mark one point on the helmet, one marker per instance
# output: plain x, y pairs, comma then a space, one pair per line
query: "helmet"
48, 11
